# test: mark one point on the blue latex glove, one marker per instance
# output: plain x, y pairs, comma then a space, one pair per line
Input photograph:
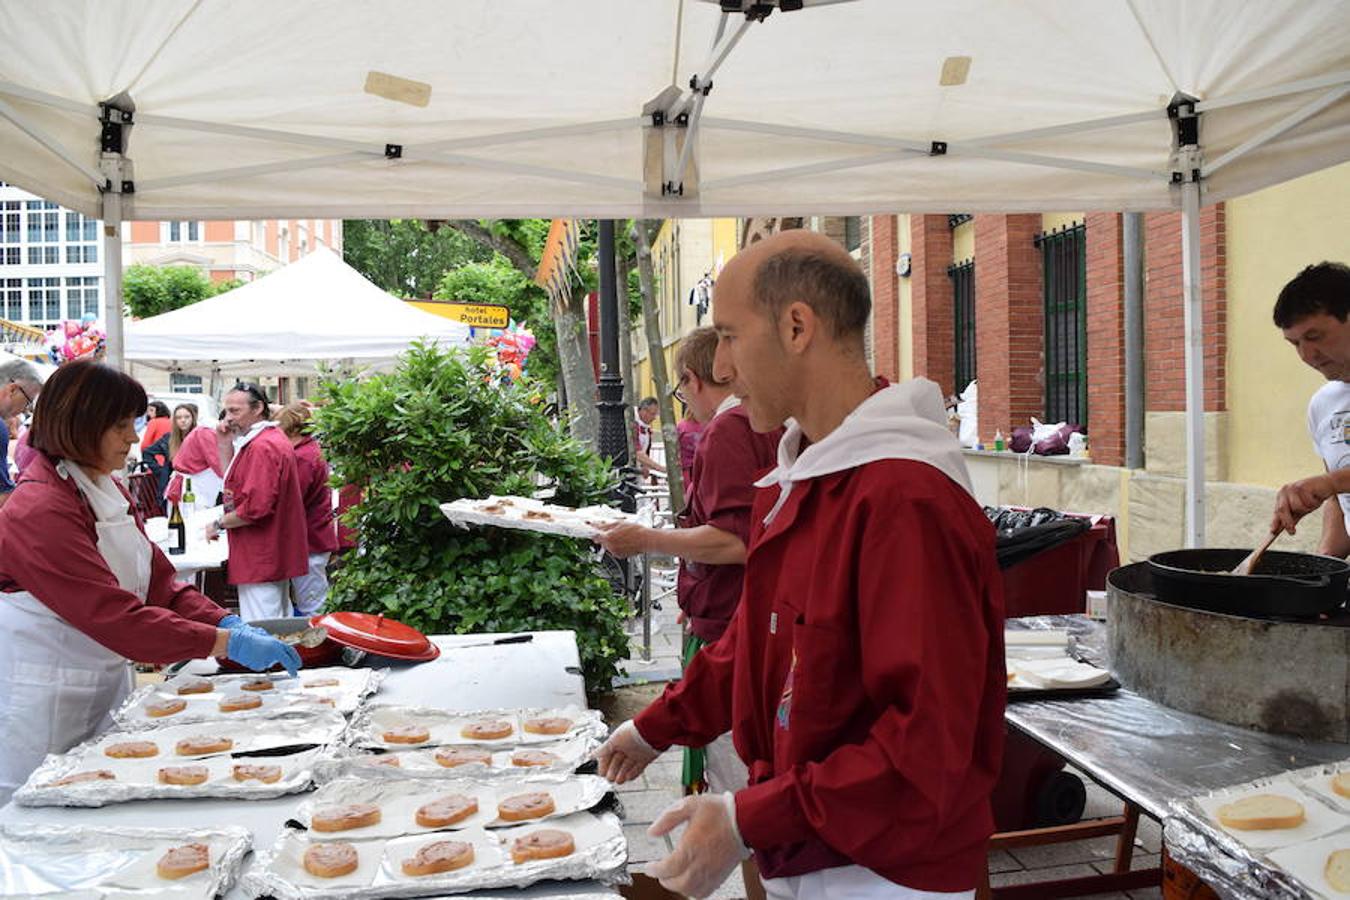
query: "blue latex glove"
234, 623
260, 652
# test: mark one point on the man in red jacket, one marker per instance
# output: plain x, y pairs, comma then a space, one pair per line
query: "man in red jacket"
264, 511
711, 540
862, 676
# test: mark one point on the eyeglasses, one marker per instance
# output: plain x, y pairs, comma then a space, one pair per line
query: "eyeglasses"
26, 396
678, 391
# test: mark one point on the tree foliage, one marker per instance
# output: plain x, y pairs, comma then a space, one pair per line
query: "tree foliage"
151, 290
436, 429
403, 256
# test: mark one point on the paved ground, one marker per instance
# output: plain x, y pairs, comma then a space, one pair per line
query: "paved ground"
659, 786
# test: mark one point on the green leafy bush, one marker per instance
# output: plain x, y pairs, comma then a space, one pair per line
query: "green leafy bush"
436, 429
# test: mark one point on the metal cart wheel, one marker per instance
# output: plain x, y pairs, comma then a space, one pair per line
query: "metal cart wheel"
1060, 800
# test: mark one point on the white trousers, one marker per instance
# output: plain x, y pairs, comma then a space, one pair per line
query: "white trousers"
850, 883
264, 600
722, 767
311, 588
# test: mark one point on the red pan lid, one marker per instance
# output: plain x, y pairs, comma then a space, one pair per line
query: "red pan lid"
378, 634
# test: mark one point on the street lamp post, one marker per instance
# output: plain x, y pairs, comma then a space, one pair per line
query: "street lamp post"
613, 436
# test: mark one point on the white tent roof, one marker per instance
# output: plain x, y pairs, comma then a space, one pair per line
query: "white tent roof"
317, 309
254, 109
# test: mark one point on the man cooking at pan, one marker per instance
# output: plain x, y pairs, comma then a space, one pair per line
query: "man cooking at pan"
1312, 312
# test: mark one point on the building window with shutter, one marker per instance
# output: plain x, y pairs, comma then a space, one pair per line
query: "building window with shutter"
1064, 261
963, 293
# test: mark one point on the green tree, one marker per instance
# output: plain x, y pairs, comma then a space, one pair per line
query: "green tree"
498, 282
151, 290
436, 429
403, 256
521, 243
224, 287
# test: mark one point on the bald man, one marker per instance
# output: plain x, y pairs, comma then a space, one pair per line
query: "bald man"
862, 676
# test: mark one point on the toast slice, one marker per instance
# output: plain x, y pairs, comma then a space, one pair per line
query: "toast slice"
1262, 812
1338, 870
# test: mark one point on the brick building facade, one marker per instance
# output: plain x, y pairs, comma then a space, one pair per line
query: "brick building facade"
1010, 302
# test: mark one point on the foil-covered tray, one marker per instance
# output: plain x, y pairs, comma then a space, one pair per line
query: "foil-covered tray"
400, 799
1280, 864
374, 725
333, 687
528, 514
81, 861
309, 737
601, 853
563, 757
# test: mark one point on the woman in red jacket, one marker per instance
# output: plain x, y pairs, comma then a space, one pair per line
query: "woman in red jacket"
311, 589
82, 590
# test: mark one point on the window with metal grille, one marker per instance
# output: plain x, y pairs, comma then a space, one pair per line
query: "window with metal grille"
12, 295
852, 233
963, 293
1064, 261
81, 297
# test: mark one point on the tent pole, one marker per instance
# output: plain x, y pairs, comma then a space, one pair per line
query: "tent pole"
1195, 364
116, 118
112, 278
1186, 175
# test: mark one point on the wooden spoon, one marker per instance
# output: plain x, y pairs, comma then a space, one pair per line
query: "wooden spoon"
1245, 567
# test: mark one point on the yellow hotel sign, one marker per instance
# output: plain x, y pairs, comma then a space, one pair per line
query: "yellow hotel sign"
478, 315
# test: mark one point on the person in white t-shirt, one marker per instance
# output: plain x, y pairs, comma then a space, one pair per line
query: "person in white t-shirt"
1312, 312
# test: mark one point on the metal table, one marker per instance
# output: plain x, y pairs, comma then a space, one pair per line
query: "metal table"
544, 672
1150, 755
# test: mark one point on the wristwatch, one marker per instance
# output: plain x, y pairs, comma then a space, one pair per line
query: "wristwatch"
219, 523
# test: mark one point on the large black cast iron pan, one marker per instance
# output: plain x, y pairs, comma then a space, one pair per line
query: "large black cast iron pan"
1284, 584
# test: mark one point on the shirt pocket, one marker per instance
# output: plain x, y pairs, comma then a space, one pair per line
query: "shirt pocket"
821, 693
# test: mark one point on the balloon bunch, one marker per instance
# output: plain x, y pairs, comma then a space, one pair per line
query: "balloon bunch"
512, 346
76, 340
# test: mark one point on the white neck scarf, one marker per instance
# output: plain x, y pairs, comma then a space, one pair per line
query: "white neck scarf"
108, 503
901, 421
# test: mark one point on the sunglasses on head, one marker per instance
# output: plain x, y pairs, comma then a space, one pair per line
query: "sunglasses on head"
252, 390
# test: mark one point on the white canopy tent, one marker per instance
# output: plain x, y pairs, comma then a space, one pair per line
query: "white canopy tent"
505, 108
318, 310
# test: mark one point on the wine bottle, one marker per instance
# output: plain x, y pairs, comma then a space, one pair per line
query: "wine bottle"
189, 498
177, 531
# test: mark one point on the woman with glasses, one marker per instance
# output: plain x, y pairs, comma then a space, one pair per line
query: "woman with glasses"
82, 590
264, 510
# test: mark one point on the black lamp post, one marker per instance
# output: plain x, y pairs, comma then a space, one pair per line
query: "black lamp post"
613, 439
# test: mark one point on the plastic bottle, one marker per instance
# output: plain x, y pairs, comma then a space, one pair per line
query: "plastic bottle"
998, 441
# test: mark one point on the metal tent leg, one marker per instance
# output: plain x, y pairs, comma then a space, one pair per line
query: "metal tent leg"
1195, 364
112, 278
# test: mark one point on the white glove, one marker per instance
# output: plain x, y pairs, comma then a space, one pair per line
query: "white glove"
623, 757
708, 851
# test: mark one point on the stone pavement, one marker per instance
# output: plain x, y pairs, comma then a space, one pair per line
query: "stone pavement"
659, 786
